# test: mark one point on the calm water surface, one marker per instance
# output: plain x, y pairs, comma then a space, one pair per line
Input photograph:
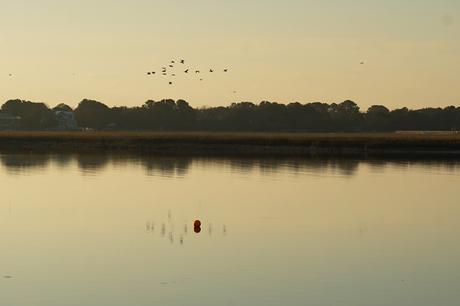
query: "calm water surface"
101, 230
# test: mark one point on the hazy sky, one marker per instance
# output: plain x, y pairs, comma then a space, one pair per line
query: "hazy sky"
290, 50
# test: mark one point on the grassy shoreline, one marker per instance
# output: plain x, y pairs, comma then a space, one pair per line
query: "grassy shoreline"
205, 143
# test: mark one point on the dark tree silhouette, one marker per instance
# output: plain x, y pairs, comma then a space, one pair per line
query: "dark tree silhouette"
377, 118
93, 114
62, 108
33, 115
170, 115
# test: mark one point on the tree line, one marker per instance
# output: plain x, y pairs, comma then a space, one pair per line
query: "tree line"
170, 115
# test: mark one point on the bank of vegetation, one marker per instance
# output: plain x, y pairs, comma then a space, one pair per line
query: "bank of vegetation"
244, 144
174, 127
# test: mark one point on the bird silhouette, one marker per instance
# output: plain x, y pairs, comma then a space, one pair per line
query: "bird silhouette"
188, 70
362, 63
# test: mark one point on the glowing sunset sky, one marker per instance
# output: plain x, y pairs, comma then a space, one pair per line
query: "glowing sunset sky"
291, 50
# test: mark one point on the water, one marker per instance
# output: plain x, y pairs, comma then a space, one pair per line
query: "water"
113, 230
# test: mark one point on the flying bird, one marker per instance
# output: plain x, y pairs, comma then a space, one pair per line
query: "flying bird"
362, 63
182, 61
186, 71
149, 73
170, 83
197, 71
171, 66
210, 70
173, 74
172, 62
225, 70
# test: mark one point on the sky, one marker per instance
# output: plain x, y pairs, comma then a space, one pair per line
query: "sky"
61, 51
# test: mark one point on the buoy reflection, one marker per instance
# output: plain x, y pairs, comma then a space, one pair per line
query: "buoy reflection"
197, 226
177, 233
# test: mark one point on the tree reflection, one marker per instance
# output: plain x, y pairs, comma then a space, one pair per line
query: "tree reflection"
20, 162
92, 162
179, 166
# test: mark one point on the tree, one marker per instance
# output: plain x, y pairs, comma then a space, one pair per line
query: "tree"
63, 108
346, 116
171, 115
34, 116
92, 114
377, 118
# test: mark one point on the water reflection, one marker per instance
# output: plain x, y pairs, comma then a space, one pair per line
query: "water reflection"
91, 162
18, 162
177, 167
168, 229
295, 231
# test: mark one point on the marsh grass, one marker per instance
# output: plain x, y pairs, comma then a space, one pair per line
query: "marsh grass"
235, 143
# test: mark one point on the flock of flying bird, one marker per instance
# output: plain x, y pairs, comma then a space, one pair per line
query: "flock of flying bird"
164, 70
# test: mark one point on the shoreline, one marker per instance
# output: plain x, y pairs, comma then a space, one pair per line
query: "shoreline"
237, 144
